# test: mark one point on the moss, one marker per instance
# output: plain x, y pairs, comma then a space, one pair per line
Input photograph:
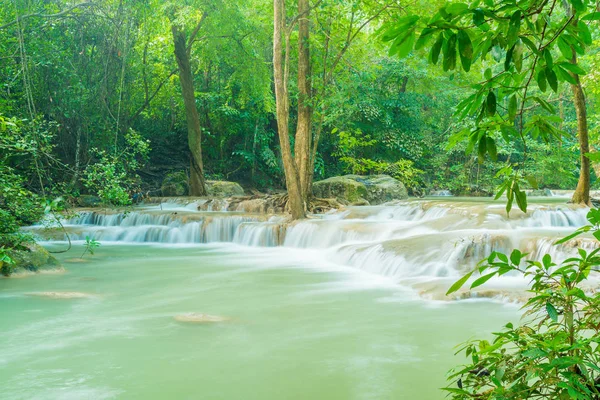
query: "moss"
223, 189
361, 190
34, 258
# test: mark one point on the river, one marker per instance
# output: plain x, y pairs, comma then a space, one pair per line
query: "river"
347, 305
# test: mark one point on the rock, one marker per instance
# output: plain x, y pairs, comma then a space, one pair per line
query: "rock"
61, 295
358, 190
223, 189
34, 258
175, 184
200, 318
88, 200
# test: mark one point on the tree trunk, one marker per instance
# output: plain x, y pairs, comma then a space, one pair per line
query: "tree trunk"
197, 184
582, 193
303, 127
292, 180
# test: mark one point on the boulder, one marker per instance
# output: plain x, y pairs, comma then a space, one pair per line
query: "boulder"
34, 258
361, 190
223, 189
175, 184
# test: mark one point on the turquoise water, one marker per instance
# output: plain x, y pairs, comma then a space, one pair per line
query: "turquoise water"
299, 329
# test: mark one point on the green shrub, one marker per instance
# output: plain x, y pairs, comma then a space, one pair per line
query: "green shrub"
554, 353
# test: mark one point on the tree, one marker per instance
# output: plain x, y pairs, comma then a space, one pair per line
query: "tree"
183, 46
518, 44
281, 38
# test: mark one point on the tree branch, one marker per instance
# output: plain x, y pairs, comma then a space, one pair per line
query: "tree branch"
40, 15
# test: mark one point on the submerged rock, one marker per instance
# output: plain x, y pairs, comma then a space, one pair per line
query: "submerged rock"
34, 258
223, 189
360, 190
61, 295
200, 318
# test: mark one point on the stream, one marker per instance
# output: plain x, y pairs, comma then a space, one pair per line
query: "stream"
346, 305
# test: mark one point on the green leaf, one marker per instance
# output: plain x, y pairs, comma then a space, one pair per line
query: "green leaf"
584, 33
516, 256
491, 149
574, 68
478, 17
593, 16
424, 37
518, 56
457, 8
465, 49
480, 281
569, 237
521, 198
564, 75
459, 283
534, 353
449, 62
552, 79
547, 106
407, 45
578, 5
513, 27
508, 58
482, 149
565, 48
552, 313
491, 103
541, 80
436, 48
548, 58
512, 107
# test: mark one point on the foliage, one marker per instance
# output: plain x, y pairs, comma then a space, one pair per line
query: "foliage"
90, 246
89, 77
6, 262
113, 176
554, 353
524, 49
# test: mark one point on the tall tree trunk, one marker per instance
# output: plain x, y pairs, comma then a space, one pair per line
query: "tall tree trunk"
292, 180
582, 193
197, 184
303, 127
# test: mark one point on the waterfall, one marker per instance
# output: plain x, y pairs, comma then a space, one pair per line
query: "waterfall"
426, 239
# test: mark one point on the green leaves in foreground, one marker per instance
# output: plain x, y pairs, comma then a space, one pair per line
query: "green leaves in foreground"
554, 352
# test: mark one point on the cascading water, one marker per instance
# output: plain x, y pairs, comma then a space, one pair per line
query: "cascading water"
415, 240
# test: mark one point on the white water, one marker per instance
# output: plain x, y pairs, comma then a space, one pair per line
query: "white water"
415, 241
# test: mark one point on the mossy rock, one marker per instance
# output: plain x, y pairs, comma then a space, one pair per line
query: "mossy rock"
175, 184
223, 189
361, 190
34, 258
343, 188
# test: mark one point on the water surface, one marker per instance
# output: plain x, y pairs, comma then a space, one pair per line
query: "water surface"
300, 329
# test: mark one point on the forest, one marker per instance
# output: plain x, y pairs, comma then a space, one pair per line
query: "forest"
109, 97
215, 121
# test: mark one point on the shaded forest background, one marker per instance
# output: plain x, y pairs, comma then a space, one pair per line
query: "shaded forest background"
91, 99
